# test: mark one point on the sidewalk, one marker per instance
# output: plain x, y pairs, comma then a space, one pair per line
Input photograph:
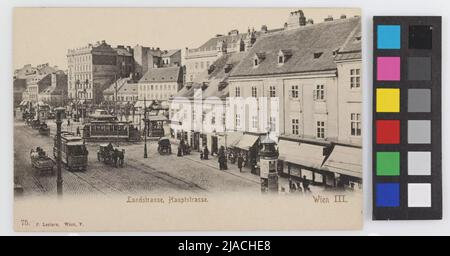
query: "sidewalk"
232, 168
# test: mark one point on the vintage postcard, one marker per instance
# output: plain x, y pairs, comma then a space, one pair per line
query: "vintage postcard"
187, 119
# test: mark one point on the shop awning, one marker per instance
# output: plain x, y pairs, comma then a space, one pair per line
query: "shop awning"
300, 153
345, 160
245, 142
23, 103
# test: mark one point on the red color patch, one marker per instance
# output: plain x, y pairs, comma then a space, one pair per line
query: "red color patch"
388, 131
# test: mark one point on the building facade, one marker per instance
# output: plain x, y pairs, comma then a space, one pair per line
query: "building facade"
150, 57
159, 84
317, 87
56, 94
92, 68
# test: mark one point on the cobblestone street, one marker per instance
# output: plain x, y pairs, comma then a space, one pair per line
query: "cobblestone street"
156, 174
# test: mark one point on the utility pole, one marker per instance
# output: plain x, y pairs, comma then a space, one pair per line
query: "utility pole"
115, 108
59, 180
145, 129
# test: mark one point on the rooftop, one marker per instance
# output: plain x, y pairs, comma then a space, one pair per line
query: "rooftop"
313, 48
169, 74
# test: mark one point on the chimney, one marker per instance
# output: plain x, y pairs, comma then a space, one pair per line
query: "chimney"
329, 18
343, 16
296, 19
285, 25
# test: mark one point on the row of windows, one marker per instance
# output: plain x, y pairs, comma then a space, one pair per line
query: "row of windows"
157, 96
157, 87
199, 65
81, 58
355, 126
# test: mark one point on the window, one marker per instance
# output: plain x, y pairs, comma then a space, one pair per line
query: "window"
355, 78
295, 126
255, 62
272, 124
237, 120
254, 92
201, 65
319, 93
280, 59
272, 92
237, 91
196, 65
320, 130
355, 124
294, 92
254, 122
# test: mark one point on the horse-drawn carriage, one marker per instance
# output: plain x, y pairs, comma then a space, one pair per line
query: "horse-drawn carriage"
44, 129
35, 124
164, 146
40, 162
109, 155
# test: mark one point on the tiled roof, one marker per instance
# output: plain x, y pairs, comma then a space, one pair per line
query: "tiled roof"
352, 47
312, 49
120, 82
170, 74
217, 77
129, 88
170, 52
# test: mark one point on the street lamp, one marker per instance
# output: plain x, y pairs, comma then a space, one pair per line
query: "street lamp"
145, 129
59, 181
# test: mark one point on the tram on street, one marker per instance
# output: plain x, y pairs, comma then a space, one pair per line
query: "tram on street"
100, 130
74, 154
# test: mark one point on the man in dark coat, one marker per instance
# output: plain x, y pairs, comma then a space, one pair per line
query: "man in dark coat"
205, 153
240, 162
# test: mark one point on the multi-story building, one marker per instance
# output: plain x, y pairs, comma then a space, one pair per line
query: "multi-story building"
197, 111
92, 68
198, 60
35, 85
159, 84
56, 94
150, 57
29, 73
125, 89
313, 70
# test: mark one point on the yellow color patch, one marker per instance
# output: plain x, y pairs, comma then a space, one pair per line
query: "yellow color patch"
388, 100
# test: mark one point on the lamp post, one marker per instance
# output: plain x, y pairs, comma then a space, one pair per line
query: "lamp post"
59, 180
145, 129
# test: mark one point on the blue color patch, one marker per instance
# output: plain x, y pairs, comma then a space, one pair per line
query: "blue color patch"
388, 195
388, 36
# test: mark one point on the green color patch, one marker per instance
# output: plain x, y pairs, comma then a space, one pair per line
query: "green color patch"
388, 163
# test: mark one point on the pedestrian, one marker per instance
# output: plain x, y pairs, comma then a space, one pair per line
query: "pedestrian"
68, 122
201, 155
240, 161
78, 131
205, 153
305, 184
179, 151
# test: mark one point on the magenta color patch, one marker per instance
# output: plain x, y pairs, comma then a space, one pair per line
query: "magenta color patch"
388, 68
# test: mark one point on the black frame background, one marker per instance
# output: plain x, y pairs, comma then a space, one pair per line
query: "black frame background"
403, 212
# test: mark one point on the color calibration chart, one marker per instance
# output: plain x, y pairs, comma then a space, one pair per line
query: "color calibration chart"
407, 178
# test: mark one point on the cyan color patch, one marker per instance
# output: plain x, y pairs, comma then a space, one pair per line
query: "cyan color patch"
388, 36
387, 195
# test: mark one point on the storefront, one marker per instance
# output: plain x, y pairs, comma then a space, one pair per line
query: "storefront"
345, 165
247, 146
301, 160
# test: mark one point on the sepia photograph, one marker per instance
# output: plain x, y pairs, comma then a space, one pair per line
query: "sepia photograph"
202, 118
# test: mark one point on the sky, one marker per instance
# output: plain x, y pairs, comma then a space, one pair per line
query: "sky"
43, 35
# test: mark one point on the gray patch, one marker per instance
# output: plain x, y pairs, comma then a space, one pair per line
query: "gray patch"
419, 131
419, 68
419, 100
